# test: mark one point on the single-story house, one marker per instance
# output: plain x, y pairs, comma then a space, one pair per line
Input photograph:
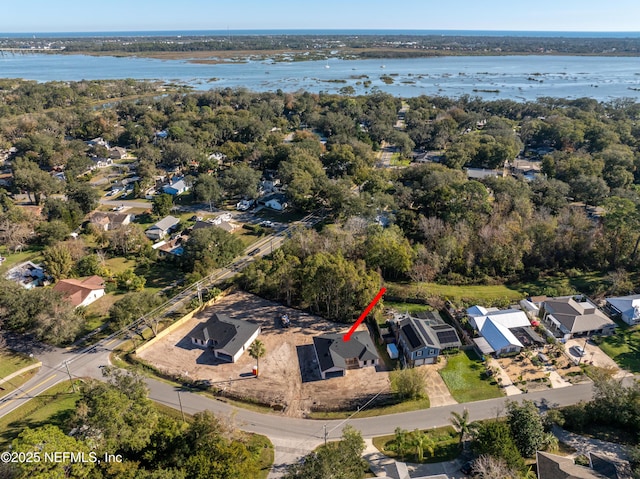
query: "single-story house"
482, 173
571, 316
420, 342
117, 153
98, 142
101, 162
228, 226
110, 221
162, 228
627, 307
81, 292
495, 330
171, 248
335, 356
227, 337
552, 466
275, 201
28, 275
176, 188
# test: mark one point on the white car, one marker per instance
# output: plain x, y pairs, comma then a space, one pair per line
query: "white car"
579, 350
267, 223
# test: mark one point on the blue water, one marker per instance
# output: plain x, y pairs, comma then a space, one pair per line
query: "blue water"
171, 33
513, 77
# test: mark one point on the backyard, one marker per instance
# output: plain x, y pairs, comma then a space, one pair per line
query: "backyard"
445, 443
465, 376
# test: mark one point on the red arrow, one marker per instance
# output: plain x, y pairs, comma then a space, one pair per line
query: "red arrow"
347, 336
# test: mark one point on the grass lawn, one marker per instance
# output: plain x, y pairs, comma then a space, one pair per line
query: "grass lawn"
446, 445
463, 376
487, 295
411, 308
119, 264
55, 406
287, 216
405, 406
11, 362
11, 259
247, 237
562, 284
623, 347
397, 160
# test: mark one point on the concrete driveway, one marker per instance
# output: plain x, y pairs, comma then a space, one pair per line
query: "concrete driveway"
592, 355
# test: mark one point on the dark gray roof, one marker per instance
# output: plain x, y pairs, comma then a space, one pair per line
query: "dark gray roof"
610, 468
226, 333
419, 334
333, 351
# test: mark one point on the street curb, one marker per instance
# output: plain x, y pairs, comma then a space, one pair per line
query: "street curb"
18, 373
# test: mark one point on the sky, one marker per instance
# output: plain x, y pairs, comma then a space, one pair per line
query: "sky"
33, 16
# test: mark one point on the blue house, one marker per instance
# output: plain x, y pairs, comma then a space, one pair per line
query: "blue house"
420, 340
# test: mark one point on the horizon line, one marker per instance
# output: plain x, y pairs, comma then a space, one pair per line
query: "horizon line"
357, 29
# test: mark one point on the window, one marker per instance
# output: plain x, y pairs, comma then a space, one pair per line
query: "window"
419, 353
432, 352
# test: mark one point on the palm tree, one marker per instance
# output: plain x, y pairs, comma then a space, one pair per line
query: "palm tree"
257, 351
422, 442
461, 424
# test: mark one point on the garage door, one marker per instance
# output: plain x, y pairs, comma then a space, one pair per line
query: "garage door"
334, 374
224, 357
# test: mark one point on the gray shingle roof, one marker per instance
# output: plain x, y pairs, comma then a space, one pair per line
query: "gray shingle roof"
225, 332
332, 351
165, 223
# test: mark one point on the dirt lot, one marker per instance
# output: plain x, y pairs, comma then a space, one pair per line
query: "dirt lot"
288, 359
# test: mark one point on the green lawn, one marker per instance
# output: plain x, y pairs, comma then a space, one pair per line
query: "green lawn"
397, 160
405, 406
624, 348
11, 362
487, 295
407, 307
55, 406
446, 445
11, 259
463, 375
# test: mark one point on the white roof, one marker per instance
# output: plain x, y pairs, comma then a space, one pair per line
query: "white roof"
509, 318
498, 336
476, 310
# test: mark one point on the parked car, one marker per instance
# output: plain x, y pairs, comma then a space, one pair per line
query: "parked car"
284, 319
254, 252
467, 468
579, 350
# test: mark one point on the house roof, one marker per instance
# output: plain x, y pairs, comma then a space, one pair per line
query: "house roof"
178, 186
509, 318
165, 223
627, 305
333, 351
551, 466
76, 291
109, 218
610, 468
225, 332
476, 310
418, 334
498, 336
577, 317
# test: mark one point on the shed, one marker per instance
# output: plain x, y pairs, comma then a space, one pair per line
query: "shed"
392, 349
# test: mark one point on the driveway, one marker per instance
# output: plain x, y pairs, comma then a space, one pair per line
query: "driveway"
505, 380
593, 355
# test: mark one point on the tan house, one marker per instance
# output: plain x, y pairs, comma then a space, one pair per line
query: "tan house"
110, 221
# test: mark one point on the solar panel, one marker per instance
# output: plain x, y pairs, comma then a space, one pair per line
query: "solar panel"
411, 336
447, 337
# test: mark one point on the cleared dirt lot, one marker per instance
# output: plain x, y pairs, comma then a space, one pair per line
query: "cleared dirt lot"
287, 359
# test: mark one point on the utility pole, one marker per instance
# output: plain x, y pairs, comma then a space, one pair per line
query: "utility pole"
325, 434
181, 410
73, 385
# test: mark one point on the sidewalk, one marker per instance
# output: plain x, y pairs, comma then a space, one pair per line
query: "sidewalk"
506, 383
584, 445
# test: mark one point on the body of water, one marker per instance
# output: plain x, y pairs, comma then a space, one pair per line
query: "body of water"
513, 77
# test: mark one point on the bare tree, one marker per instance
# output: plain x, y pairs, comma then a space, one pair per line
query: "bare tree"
490, 467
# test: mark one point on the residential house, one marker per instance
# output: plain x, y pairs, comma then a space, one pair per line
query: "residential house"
420, 341
98, 142
501, 331
176, 188
552, 466
110, 221
28, 275
220, 222
399, 470
335, 355
572, 316
162, 228
627, 307
274, 201
482, 173
81, 292
117, 153
171, 248
100, 162
228, 338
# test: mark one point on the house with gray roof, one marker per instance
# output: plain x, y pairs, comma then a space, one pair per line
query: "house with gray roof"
162, 228
335, 356
571, 316
420, 340
552, 466
228, 338
176, 188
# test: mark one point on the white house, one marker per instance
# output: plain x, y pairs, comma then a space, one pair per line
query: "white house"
628, 307
162, 228
176, 188
81, 292
275, 201
496, 329
228, 338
